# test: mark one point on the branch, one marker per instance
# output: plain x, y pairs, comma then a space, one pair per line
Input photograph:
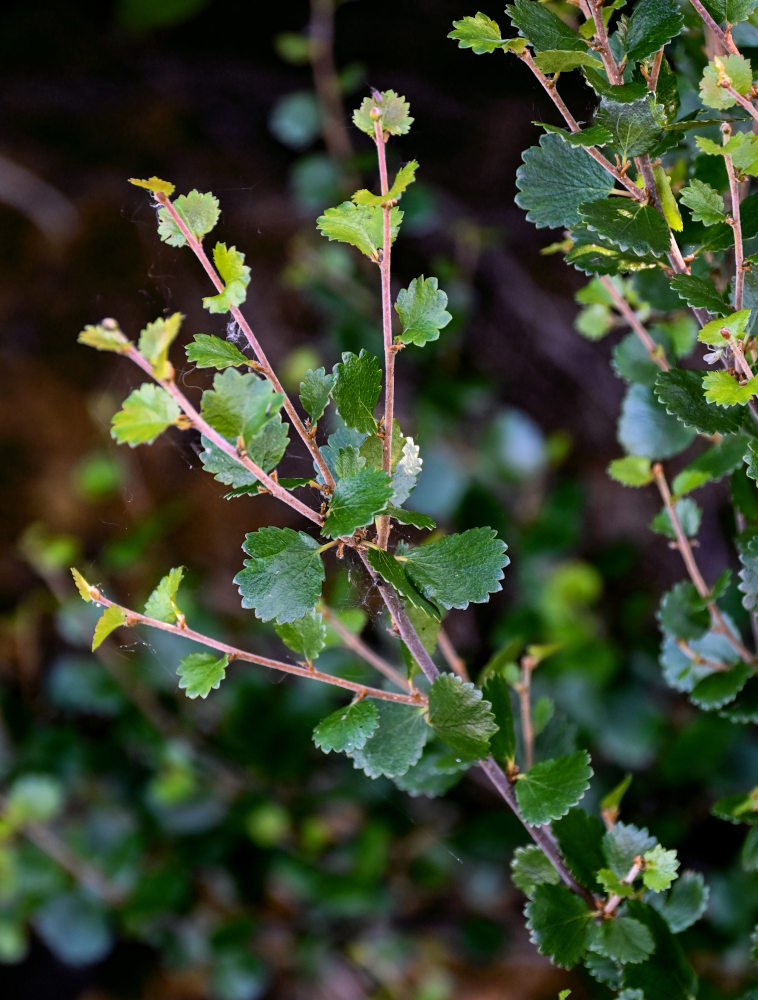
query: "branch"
326, 80
741, 99
615, 76
656, 352
456, 663
524, 691
736, 224
359, 647
724, 37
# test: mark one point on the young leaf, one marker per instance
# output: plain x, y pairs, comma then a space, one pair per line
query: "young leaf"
112, 618
712, 465
556, 178
669, 204
154, 184
81, 585
106, 336
393, 113
356, 390
549, 789
460, 717
347, 729
633, 125
397, 743
479, 33
632, 470
356, 501
393, 571
686, 902
681, 392
724, 390
199, 212
704, 201
733, 326
207, 351
283, 577
559, 924
660, 868
155, 340
731, 11
699, 294
558, 61
459, 569
306, 635
405, 176
530, 868
362, 226
201, 673
315, 391
734, 70
623, 844
646, 429
405, 477
146, 413
624, 940
497, 693
652, 24
543, 28
631, 226
421, 308
230, 264
161, 604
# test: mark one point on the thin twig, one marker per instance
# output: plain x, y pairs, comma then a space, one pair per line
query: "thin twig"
456, 663
524, 691
736, 224
655, 351
359, 647
628, 879
652, 80
724, 37
746, 103
615, 76
326, 81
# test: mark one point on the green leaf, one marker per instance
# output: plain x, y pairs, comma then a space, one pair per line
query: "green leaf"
646, 429
356, 501
459, 569
559, 61
652, 24
633, 124
306, 635
201, 673
479, 33
161, 604
721, 686
405, 176
199, 212
283, 577
240, 404
362, 226
624, 940
689, 515
155, 341
699, 294
743, 148
632, 470
497, 693
748, 585
660, 868
347, 729
404, 479
81, 585
460, 717
559, 924
683, 613
207, 351
315, 391
393, 113
628, 225
613, 885
734, 70
669, 204
718, 331
741, 807
356, 390
106, 336
225, 469
434, 774
32, 798
723, 389
397, 743
530, 868
549, 789
393, 571
704, 201
413, 517
111, 619
580, 838
595, 135
731, 11
230, 264
685, 904
543, 28
666, 975
556, 178
421, 308
681, 392
146, 413
712, 465
154, 184
622, 844
594, 255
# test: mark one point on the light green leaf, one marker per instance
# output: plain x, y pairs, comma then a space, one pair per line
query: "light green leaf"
624, 940
556, 178
225, 469
362, 226
207, 351
240, 404
734, 326
393, 571
235, 274
699, 294
315, 391
356, 501
632, 470
405, 477
612, 884
106, 336
155, 341
397, 743
689, 515
111, 619
33, 798
715, 463
544, 29
497, 693
460, 717
201, 673
723, 389
421, 308
161, 604
647, 430
306, 635
559, 923
685, 904
154, 184
199, 212
356, 390
405, 176
704, 201
81, 585
681, 392
480, 34
660, 868
393, 113
530, 868
595, 135
558, 61
549, 789
669, 204
627, 225
459, 569
743, 149
283, 577
633, 124
347, 729
733, 70
652, 24
146, 413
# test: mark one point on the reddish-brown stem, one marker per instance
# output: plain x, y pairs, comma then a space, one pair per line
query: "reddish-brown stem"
524, 691
135, 618
736, 223
742, 100
453, 660
652, 80
615, 77
628, 879
725, 39
655, 351
273, 487
197, 248
359, 647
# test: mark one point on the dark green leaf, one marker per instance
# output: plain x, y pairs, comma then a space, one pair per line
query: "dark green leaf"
200, 673
315, 390
530, 868
161, 604
230, 264
633, 125
741, 807
402, 516
627, 225
683, 613
624, 940
347, 729
686, 902
712, 465
681, 392
632, 361
306, 635
645, 428
560, 61
393, 571
239, 404
652, 24
111, 619
356, 391
595, 135
460, 717
580, 837
731, 11
497, 693
666, 975
199, 212
362, 226
543, 28
225, 469
748, 553
459, 569
421, 308
207, 351
434, 774
559, 924
397, 743
283, 577
549, 789
356, 501
699, 294
622, 844
146, 413
721, 686
556, 178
